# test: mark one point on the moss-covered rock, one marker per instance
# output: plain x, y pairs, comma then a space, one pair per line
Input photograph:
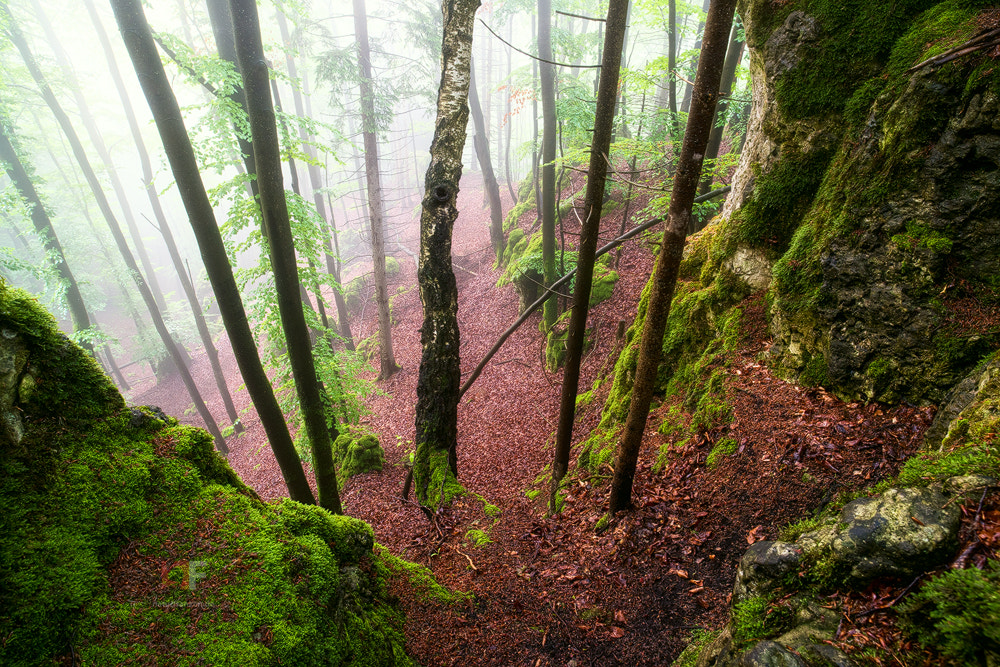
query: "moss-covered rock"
357, 452
125, 538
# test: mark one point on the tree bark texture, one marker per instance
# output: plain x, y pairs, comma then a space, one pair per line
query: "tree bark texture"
267, 157
177, 144
489, 177
703, 102
161, 219
435, 464
387, 360
547, 74
80, 154
593, 203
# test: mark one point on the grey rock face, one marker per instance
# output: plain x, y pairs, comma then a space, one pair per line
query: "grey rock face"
764, 565
13, 360
769, 654
824, 655
897, 534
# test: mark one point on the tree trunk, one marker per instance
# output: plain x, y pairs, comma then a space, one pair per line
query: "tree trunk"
139, 41
102, 202
489, 178
733, 55
161, 219
94, 133
686, 101
267, 158
672, 64
387, 361
46, 233
316, 185
510, 119
435, 464
704, 99
548, 202
593, 202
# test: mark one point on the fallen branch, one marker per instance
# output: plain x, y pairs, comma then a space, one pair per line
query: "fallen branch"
978, 42
565, 279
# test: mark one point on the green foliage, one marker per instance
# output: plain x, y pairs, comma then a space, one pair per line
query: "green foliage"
478, 537
416, 576
958, 615
356, 452
758, 618
921, 236
698, 640
724, 447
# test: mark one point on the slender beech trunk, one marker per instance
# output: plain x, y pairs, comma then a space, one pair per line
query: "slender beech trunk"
267, 158
593, 202
699, 126
435, 465
489, 178
387, 360
139, 41
102, 202
46, 232
316, 185
733, 55
699, 33
548, 201
96, 138
510, 119
672, 64
161, 219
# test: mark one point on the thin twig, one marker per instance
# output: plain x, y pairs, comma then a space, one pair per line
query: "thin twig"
581, 16
954, 52
543, 60
471, 564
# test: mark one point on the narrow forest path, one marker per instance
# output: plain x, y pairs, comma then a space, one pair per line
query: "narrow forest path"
550, 591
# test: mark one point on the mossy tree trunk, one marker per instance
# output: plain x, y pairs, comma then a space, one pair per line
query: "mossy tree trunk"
43, 227
169, 122
267, 157
154, 201
387, 360
703, 102
435, 465
173, 349
548, 201
482, 145
593, 203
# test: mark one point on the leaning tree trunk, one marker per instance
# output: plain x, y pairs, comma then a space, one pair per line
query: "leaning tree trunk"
593, 202
548, 202
161, 220
102, 202
733, 55
435, 465
703, 101
267, 158
686, 101
387, 360
46, 233
170, 124
489, 178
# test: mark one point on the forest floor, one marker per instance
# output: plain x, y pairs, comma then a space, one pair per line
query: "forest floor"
549, 591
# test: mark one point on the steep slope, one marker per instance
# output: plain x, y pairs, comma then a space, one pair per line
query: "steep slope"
124, 538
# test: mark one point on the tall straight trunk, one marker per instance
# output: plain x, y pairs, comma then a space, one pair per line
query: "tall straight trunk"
387, 360
267, 158
46, 232
169, 122
703, 102
161, 219
490, 184
510, 120
535, 85
94, 133
593, 202
672, 63
225, 44
686, 101
435, 465
733, 55
102, 202
548, 80
316, 185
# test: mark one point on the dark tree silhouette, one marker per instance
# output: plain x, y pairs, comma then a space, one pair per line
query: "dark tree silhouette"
169, 122
482, 146
267, 158
699, 125
548, 201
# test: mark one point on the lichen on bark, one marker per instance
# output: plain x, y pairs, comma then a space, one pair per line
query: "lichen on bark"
435, 467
